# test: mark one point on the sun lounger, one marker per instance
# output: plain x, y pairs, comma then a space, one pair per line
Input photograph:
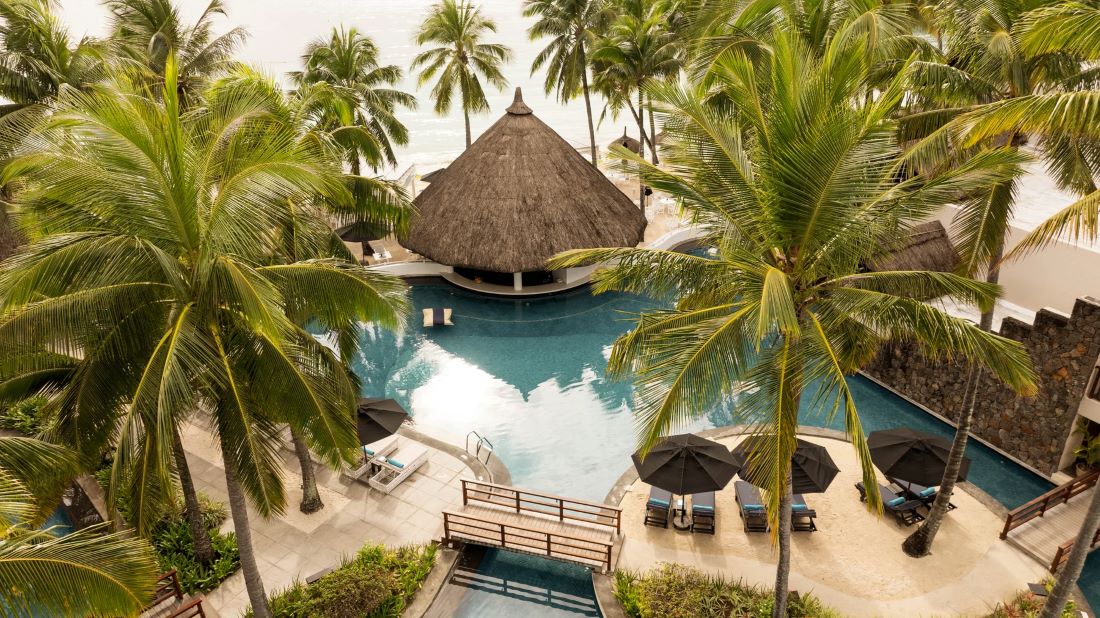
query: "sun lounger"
905, 511
702, 512
437, 316
372, 451
657, 508
802, 516
753, 513
926, 495
393, 470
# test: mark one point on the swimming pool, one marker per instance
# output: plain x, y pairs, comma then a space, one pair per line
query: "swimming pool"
528, 374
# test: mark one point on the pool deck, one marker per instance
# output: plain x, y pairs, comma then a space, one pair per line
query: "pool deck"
295, 546
854, 562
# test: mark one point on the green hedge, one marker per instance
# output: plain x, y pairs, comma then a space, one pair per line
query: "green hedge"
675, 591
376, 583
24, 416
175, 549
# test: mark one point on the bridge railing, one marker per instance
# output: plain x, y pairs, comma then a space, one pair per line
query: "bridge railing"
1062, 554
1055, 497
527, 540
529, 502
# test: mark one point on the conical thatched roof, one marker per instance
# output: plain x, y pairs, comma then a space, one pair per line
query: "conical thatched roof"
627, 142
519, 195
926, 247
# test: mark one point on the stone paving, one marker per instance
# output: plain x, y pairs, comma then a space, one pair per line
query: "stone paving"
296, 545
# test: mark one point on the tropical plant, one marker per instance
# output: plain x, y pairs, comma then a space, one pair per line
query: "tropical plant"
78, 574
571, 26
148, 292
364, 108
798, 189
145, 33
461, 59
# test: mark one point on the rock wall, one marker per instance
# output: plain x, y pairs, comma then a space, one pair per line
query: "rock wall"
1033, 429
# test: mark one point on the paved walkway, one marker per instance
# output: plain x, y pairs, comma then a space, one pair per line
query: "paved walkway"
1040, 537
854, 563
296, 545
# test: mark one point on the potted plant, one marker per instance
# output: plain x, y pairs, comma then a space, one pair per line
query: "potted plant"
1088, 453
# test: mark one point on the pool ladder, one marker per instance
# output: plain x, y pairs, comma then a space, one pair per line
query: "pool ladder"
482, 444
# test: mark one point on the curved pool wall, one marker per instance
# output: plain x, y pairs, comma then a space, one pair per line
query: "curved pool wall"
529, 375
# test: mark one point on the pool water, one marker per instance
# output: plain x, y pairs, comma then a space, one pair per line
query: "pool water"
529, 375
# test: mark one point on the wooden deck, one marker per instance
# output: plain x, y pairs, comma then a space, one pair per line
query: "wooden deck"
509, 518
1042, 536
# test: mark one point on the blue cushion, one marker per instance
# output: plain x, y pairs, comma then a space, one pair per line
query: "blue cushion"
927, 492
753, 507
704, 508
367, 451
657, 502
395, 464
799, 507
896, 501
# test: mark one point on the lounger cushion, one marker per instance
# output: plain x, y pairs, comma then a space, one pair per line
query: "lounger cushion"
705, 508
799, 507
927, 492
657, 503
896, 501
753, 507
395, 463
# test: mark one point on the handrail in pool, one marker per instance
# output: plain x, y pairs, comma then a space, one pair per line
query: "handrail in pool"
1039, 506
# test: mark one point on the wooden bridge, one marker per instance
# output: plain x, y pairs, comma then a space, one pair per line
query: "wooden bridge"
1047, 526
533, 523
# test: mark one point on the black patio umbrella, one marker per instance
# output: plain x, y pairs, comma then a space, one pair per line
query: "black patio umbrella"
686, 464
812, 469
912, 456
378, 418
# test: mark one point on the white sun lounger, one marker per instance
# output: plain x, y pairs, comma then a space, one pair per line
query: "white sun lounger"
374, 450
399, 466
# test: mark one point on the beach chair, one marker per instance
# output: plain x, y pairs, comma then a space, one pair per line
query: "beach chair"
702, 512
802, 516
904, 511
658, 507
926, 495
393, 470
753, 514
437, 316
372, 451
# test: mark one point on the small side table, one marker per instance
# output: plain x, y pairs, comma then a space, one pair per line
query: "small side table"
680, 518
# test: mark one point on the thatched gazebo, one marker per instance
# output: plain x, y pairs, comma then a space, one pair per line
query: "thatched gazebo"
517, 196
926, 247
627, 142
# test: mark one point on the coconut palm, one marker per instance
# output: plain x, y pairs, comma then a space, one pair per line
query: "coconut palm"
462, 59
79, 574
797, 189
152, 265
571, 26
144, 33
348, 62
983, 67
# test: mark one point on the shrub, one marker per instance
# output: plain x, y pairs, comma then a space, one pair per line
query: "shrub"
175, 549
376, 583
25, 416
1027, 605
675, 591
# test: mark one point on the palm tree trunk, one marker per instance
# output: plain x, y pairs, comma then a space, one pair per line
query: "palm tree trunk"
641, 132
652, 134
919, 543
783, 569
239, 511
466, 116
588, 107
204, 548
311, 499
993, 275
1067, 579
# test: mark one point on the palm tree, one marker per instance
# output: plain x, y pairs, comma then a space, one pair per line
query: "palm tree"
461, 59
79, 574
984, 67
571, 26
797, 189
157, 230
348, 62
144, 33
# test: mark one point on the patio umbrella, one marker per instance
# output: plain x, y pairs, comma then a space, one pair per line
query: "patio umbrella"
378, 418
812, 469
686, 464
912, 456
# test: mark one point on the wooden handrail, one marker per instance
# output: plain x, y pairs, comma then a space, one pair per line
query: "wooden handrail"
190, 609
1062, 554
167, 587
523, 539
557, 507
1039, 506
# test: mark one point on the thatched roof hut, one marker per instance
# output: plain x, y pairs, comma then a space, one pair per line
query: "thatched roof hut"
433, 175
517, 196
926, 247
627, 142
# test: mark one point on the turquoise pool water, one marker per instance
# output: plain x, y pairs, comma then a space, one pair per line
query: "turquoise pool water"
529, 376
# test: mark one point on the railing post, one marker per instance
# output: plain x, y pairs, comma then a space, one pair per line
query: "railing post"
561, 511
446, 528
549, 550
516, 492
607, 568
465, 498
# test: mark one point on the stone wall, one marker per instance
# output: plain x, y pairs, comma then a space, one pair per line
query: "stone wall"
1033, 429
